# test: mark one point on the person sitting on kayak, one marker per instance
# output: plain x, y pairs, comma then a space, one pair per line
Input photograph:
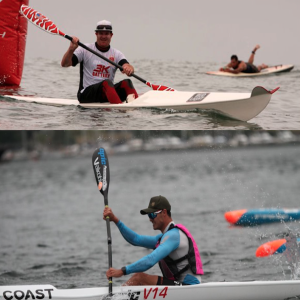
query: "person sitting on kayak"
174, 249
237, 66
96, 75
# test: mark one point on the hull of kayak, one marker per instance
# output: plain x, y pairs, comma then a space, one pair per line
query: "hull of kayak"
239, 106
252, 290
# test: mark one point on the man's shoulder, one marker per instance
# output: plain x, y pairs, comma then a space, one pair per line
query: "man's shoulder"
172, 232
115, 50
241, 63
171, 237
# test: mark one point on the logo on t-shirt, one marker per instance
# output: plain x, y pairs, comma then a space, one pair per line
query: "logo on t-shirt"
101, 71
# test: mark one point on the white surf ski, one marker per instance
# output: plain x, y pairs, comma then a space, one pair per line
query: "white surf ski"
239, 106
267, 71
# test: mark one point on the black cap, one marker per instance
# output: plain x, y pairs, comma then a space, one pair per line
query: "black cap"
156, 203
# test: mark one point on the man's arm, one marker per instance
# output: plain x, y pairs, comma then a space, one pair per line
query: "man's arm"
168, 244
135, 239
241, 68
67, 58
228, 66
129, 235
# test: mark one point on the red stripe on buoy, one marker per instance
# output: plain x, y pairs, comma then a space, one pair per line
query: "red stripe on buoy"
233, 216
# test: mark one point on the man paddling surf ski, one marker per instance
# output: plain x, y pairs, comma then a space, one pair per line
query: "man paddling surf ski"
174, 249
96, 75
237, 66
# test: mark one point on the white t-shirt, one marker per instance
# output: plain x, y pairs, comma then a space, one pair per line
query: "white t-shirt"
96, 69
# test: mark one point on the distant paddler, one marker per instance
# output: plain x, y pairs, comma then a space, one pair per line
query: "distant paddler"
174, 249
238, 66
97, 75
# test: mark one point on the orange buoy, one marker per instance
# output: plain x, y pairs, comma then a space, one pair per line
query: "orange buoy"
270, 248
234, 216
13, 31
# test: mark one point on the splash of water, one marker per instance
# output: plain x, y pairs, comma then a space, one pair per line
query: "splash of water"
291, 255
122, 295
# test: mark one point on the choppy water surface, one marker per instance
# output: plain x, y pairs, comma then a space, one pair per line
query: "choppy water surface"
45, 78
51, 229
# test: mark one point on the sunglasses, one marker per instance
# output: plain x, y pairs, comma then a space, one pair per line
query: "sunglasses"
154, 214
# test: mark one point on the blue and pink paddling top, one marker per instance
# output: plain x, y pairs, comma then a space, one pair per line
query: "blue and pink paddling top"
175, 250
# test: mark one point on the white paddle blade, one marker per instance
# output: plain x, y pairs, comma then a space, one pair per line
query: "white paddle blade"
39, 20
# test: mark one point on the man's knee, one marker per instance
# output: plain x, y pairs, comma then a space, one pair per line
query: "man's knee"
108, 82
128, 82
143, 279
139, 276
135, 279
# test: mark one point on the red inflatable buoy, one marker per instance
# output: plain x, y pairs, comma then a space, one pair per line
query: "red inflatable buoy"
13, 30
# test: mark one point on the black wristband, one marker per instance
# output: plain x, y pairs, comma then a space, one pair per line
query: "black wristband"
253, 52
123, 270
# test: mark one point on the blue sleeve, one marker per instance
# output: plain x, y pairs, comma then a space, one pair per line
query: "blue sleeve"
135, 239
168, 244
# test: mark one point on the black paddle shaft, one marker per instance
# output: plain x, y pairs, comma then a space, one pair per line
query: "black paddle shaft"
102, 175
104, 58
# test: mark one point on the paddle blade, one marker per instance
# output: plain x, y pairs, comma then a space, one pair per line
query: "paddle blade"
156, 87
101, 170
39, 20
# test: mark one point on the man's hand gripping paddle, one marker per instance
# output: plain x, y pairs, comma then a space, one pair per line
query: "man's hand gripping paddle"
101, 170
47, 25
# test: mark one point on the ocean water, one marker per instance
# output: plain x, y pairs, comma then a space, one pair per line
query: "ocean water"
45, 78
52, 231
